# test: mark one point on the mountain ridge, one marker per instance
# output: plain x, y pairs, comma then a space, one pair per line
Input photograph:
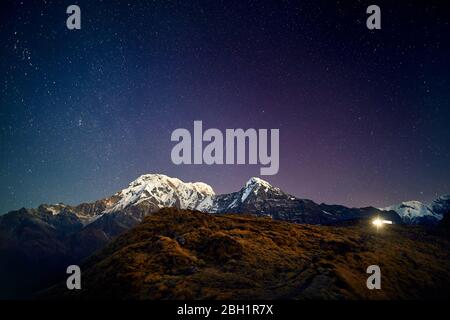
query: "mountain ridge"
151, 192
416, 212
57, 234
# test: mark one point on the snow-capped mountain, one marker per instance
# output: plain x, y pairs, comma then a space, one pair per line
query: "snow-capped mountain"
155, 191
158, 191
416, 212
255, 190
260, 198
151, 192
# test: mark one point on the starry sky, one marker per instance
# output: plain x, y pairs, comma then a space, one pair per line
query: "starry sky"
363, 115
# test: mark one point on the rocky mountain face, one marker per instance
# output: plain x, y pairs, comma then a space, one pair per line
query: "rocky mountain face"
441, 206
52, 235
151, 192
262, 199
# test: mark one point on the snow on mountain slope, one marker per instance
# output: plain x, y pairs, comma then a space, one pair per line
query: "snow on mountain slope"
254, 185
161, 191
441, 205
412, 211
151, 192
53, 209
158, 191
255, 189
59, 209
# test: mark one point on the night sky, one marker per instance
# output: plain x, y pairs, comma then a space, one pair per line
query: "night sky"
363, 115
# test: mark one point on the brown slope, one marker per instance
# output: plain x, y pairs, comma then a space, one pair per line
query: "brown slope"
177, 254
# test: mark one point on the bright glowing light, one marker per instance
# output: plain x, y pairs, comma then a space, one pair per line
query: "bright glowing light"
377, 222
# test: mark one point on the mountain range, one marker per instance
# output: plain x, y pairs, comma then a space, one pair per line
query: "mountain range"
51, 236
416, 212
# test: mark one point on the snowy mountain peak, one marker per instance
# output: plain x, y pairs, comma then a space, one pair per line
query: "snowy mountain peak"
255, 181
254, 185
151, 180
410, 211
158, 190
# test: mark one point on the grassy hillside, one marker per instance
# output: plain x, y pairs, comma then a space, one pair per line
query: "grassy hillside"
176, 254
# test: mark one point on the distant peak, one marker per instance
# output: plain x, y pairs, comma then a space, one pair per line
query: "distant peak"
151, 178
159, 190
257, 181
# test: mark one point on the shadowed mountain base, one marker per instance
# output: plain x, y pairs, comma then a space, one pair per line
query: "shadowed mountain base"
179, 254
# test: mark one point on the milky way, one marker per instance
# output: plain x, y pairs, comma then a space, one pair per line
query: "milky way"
363, 115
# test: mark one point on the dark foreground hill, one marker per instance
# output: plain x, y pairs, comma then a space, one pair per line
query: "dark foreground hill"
179, 254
